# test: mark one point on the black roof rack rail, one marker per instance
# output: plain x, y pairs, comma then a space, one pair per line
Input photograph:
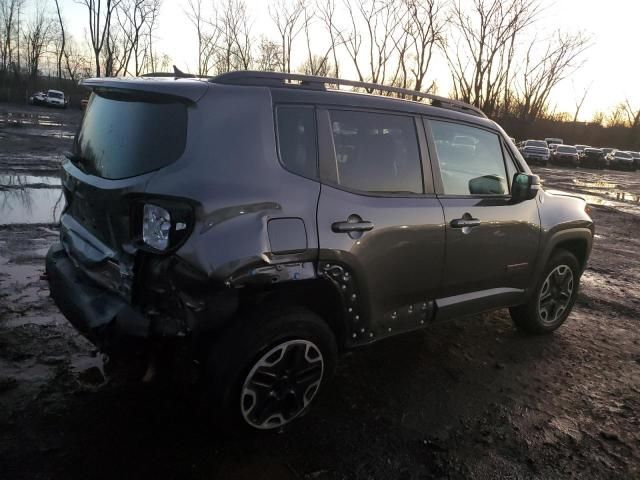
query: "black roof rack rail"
277, 79
177, 73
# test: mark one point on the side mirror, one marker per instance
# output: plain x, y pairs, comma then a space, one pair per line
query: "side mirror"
487, 185
524, 187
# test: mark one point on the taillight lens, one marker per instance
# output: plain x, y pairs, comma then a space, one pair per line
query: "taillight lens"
161, 224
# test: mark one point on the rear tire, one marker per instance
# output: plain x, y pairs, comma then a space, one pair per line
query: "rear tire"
264, 373
554, 296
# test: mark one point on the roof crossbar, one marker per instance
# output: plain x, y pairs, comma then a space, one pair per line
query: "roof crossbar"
248, 77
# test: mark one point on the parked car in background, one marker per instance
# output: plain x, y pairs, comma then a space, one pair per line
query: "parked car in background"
553, 141
38, 98
620, 160
636, 159
607, 150
535, 151
565, 155
580, 148
592, 157
56, 98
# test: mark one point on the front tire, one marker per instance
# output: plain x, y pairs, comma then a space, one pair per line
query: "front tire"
265, 372
555, 294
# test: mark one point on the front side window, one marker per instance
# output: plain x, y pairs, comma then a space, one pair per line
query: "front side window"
473, 167
297, 139
376, 152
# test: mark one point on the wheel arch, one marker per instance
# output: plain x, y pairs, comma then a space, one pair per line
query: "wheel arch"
577, 241
317, 295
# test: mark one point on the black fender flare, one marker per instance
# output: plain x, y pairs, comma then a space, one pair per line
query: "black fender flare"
582, 234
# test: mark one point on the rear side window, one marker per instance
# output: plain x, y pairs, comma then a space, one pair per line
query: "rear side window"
376, 152
297, 139
124, 135
471, 167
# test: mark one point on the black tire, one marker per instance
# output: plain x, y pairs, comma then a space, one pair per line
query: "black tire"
533, 319
238, 354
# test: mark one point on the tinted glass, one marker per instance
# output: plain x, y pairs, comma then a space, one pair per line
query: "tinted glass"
55, 95
566, 150
623, 155
536, 143
297, 140
376, 152
469, 169
122, 135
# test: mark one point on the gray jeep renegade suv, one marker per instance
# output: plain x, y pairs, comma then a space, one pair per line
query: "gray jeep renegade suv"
269, 221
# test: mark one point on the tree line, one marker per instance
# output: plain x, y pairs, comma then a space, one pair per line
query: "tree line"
496, 57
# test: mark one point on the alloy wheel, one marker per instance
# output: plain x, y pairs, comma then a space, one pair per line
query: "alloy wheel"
555, 294
281, 384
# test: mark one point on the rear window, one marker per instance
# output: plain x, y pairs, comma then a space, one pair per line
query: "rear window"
566, 150
124, 135
536, 143
623, 154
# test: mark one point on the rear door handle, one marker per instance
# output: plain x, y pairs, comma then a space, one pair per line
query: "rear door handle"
348, 227
465, 222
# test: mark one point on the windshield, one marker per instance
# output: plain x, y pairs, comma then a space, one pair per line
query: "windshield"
536, 143
123, 135
54, 95
623, 155
563, 149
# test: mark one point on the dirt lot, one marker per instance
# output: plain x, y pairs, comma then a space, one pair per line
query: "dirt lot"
470, 398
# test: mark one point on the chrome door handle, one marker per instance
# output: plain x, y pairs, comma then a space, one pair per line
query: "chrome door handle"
348, 227
465, 222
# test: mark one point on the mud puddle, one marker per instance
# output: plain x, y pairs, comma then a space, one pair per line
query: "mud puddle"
30, 205
609, 189
33, 124
28, 181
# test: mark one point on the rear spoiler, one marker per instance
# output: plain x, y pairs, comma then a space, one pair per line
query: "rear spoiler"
187, 88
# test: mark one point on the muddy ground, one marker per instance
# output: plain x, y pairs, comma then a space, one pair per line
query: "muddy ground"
470, 398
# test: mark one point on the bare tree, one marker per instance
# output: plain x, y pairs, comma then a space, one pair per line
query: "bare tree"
77, 64
315, 64
424, 28
481, 48
326, 12
560, 58
206, 33
618, 116
374, 25
633, 114
37, 36
234, 39
100, 15
579, 102
268, 56
135, 20
287, 16
62, 39
9, 32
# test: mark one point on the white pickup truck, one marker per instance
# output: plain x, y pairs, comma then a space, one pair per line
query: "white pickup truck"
56, 98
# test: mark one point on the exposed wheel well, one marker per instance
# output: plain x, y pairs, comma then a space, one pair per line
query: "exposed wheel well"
576, 246
318, 295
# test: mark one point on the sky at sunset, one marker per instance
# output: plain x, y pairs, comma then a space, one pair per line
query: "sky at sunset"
611, 69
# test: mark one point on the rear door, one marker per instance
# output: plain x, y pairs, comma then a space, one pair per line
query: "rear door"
492, 241
380, 225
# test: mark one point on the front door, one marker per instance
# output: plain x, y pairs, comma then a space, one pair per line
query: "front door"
381, 232
492, 242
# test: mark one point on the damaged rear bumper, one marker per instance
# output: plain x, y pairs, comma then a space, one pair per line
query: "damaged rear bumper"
97, 313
